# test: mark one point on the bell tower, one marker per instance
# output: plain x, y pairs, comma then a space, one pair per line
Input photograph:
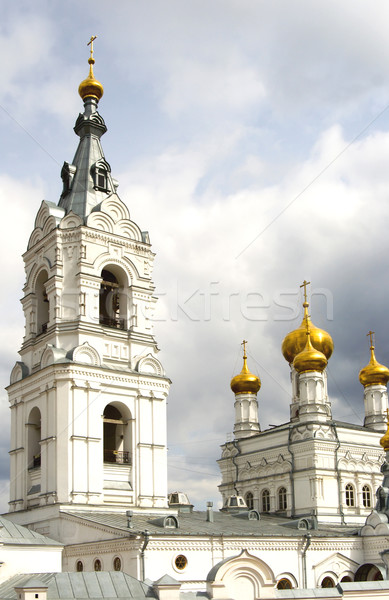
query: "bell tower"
88, 396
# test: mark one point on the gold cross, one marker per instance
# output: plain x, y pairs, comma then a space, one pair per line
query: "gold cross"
371, 334
304, 285
90, 43
244, 348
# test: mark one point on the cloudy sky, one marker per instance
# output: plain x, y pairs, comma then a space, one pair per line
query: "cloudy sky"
251, 139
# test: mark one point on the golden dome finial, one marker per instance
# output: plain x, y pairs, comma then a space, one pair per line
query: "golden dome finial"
309, 359
245, 382
296, 340
384, 441
374, 373
90, 87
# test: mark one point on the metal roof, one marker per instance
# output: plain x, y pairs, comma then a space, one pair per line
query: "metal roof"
92, 585
12, 533
195, 524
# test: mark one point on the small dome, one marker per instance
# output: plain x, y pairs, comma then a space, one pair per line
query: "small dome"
245, 382
295, 341
309, 359
90, 87
374, 373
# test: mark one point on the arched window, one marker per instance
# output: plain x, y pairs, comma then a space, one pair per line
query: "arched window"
42, 303
97, 565
346, 579
350, 495
249, 500
79, 566
366, 496
34, 438
117, 564
284, 584
116, 436
328, 582
265, 496
282, 504
113, 301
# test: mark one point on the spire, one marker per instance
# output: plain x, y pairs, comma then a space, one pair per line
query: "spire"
87, 181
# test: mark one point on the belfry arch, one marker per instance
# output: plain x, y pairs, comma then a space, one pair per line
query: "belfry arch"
42, 303
34, 438
117, 434
114, 301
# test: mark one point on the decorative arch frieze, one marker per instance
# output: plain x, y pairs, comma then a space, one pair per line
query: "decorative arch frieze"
70, 221
48, 218
19, 372
104, 261
102, 221
85, 354
149, 364
244, 573
52, 355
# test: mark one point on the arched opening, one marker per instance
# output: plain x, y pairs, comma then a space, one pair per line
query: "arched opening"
42, 303
116, 436
265, 501
34, 438
328, 582
366, 496
368, 572
346, 579
117, 564
97, 565
249, 500
113, 300
282, 503
350, 495
284, 584
79, 566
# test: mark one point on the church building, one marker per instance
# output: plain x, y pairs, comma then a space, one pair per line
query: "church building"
88, 429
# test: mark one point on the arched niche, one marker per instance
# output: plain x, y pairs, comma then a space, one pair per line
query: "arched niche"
117, 434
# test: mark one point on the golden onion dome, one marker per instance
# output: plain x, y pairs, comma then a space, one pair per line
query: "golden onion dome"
374, 373
90, 87
309, 359
295, 341
245, 382
384, 441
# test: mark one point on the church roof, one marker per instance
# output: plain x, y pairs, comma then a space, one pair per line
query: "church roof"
100, 584
195, 524
14, 534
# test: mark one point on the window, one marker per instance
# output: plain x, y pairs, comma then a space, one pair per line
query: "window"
350, 496
79, 566
284, 584
282, 499
117, 564
99, 173
249, 500
327, 582
180, 562
265, 501
97, 565
366, 496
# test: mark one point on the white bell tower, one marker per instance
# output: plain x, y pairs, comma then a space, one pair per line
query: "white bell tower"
88, 397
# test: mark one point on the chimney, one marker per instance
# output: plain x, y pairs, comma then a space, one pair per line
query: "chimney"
129, 514
209, 512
